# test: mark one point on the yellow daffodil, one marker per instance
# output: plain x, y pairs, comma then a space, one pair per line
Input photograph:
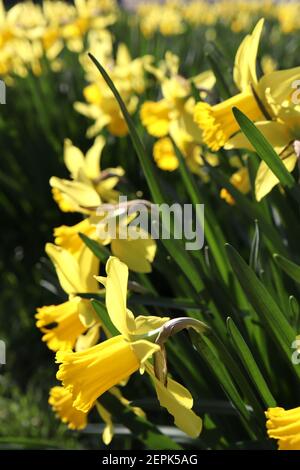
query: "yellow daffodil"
63, 324
267, 101
90, 373
90, 14
173, 116
284, 425
240, 180
165, 18
75, 273
89, 185
61, 402
217, 122
128, 76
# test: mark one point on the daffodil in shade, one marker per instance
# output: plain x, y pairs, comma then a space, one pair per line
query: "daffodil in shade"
62, 404
284, 425
63, 324
88, 374
89, 185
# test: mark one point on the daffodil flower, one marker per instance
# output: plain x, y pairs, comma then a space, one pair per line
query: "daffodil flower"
128, 76
63, 325
61, 402
173, 116
89, 185
267, 101
284, 425
90, 373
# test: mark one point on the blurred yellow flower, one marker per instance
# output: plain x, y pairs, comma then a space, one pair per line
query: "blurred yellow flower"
240, 180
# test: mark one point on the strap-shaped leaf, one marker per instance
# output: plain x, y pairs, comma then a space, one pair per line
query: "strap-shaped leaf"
289, 267
250, 365
265, 306
264, 149
99, 250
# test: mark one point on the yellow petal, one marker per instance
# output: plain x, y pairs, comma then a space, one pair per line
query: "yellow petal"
279, 86
88, 267
275, 132
164, 154
62, 404
108, 431
88, 340
137, 254
73, 158
86, 313
178, 401
92, 158
144, 349
79, 193
205, 80
265, 178
60, 324
66, 268
155, 117
244, 73
116, 293
144, 324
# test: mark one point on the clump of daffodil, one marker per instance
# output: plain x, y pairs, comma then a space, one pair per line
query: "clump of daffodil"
267, 101
89, 15
128, 75
63, 325
85, 193
284, 425
90, 373
165, 18
173, 115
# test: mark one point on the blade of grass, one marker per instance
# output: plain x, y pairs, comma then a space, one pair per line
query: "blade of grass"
250, 365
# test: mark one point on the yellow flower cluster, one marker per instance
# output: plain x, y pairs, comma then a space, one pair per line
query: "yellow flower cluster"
89, 368
174, 16
30, 32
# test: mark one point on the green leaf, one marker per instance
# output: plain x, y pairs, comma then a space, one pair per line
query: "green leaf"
290, 268
263, 148
99, 250
213, 232
106, 322
250, 365
265, 306
218, 369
